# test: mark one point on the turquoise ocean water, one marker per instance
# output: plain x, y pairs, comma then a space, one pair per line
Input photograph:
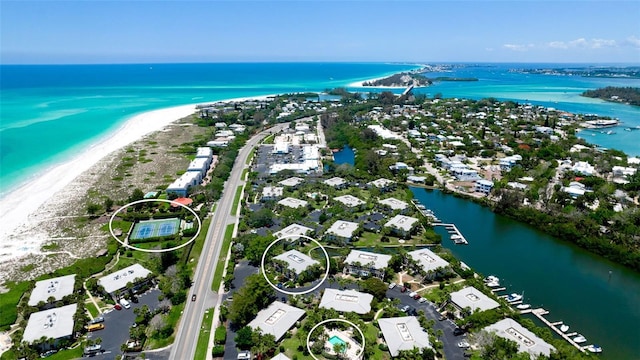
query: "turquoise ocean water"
48, 113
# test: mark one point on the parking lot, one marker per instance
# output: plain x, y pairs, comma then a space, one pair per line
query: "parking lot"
117, 324
265, 158
449, 340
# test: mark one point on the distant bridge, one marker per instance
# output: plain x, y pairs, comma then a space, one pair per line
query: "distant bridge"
408, 89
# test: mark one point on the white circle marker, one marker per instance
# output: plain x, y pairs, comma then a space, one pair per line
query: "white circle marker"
264, 274
154, 250
358, 355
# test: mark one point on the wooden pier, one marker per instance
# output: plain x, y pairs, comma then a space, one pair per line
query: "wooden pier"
540, 313
452, 228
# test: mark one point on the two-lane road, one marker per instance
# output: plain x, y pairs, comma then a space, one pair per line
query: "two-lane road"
184, 346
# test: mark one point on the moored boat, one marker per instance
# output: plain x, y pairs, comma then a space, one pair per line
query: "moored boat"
523, 306
594, 348
579, 339
513, 297
564, 327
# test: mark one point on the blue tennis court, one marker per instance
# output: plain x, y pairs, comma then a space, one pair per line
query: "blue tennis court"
147, 229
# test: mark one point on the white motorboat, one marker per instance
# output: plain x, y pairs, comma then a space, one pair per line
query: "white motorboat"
564, 328
594, 348
579, 339
491, 278
456, 237
513, 297
523, 306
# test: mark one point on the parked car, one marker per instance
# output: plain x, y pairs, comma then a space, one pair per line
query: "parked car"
458, 331
416, 296
463, 344
422, 300
125, 304
97, 320
405, 308
412, 294
392, 285
244, 355
117, 307
403, 289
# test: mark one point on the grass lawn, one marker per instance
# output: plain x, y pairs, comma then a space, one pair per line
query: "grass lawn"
291, 347
92, 309
217, 276
236, 200
203, 338
250, 157
196, 250
9, 303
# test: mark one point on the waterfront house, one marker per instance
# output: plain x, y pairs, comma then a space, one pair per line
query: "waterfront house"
483, 186
402, 225
364, 263
342, 232
473, 299
394, 204
508, 162
428, 261
527, 341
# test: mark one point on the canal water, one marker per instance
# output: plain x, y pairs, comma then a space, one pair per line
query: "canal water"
595, 297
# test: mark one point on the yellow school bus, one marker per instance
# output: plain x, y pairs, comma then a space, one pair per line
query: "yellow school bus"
95, 327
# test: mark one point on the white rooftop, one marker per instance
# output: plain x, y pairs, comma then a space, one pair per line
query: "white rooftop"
58, 287
204, 152
349, 200
53, 323
428, 259
335, 181
272, 191
296, 260
403, 333
280, 356
401, 222
346, 301
277, 319
293, 229
292, 202
526, 340
381, 183
119, 279
343, 228
377, 261
292, 181
474, 299
394, 203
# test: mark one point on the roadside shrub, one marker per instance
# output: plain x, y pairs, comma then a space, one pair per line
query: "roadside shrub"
217, 351
220, 336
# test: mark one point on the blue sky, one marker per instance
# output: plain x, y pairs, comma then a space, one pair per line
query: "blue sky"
225, 31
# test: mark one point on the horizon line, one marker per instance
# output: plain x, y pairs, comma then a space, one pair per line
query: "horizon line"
416, 63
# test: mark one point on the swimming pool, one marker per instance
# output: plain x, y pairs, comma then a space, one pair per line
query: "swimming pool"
334, 340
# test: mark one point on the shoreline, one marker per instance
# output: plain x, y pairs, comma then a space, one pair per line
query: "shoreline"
24, 208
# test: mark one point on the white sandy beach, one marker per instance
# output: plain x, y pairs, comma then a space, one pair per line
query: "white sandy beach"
17, 208
24, 209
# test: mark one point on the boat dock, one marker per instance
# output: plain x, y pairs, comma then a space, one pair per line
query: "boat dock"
540, 313
456, 236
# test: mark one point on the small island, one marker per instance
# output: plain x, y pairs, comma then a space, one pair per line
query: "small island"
629, 72
624, 95
403, 79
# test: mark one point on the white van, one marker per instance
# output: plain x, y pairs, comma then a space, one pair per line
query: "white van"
125, 304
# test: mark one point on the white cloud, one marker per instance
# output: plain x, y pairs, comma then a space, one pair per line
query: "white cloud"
518, 47
633, 41
583, 43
